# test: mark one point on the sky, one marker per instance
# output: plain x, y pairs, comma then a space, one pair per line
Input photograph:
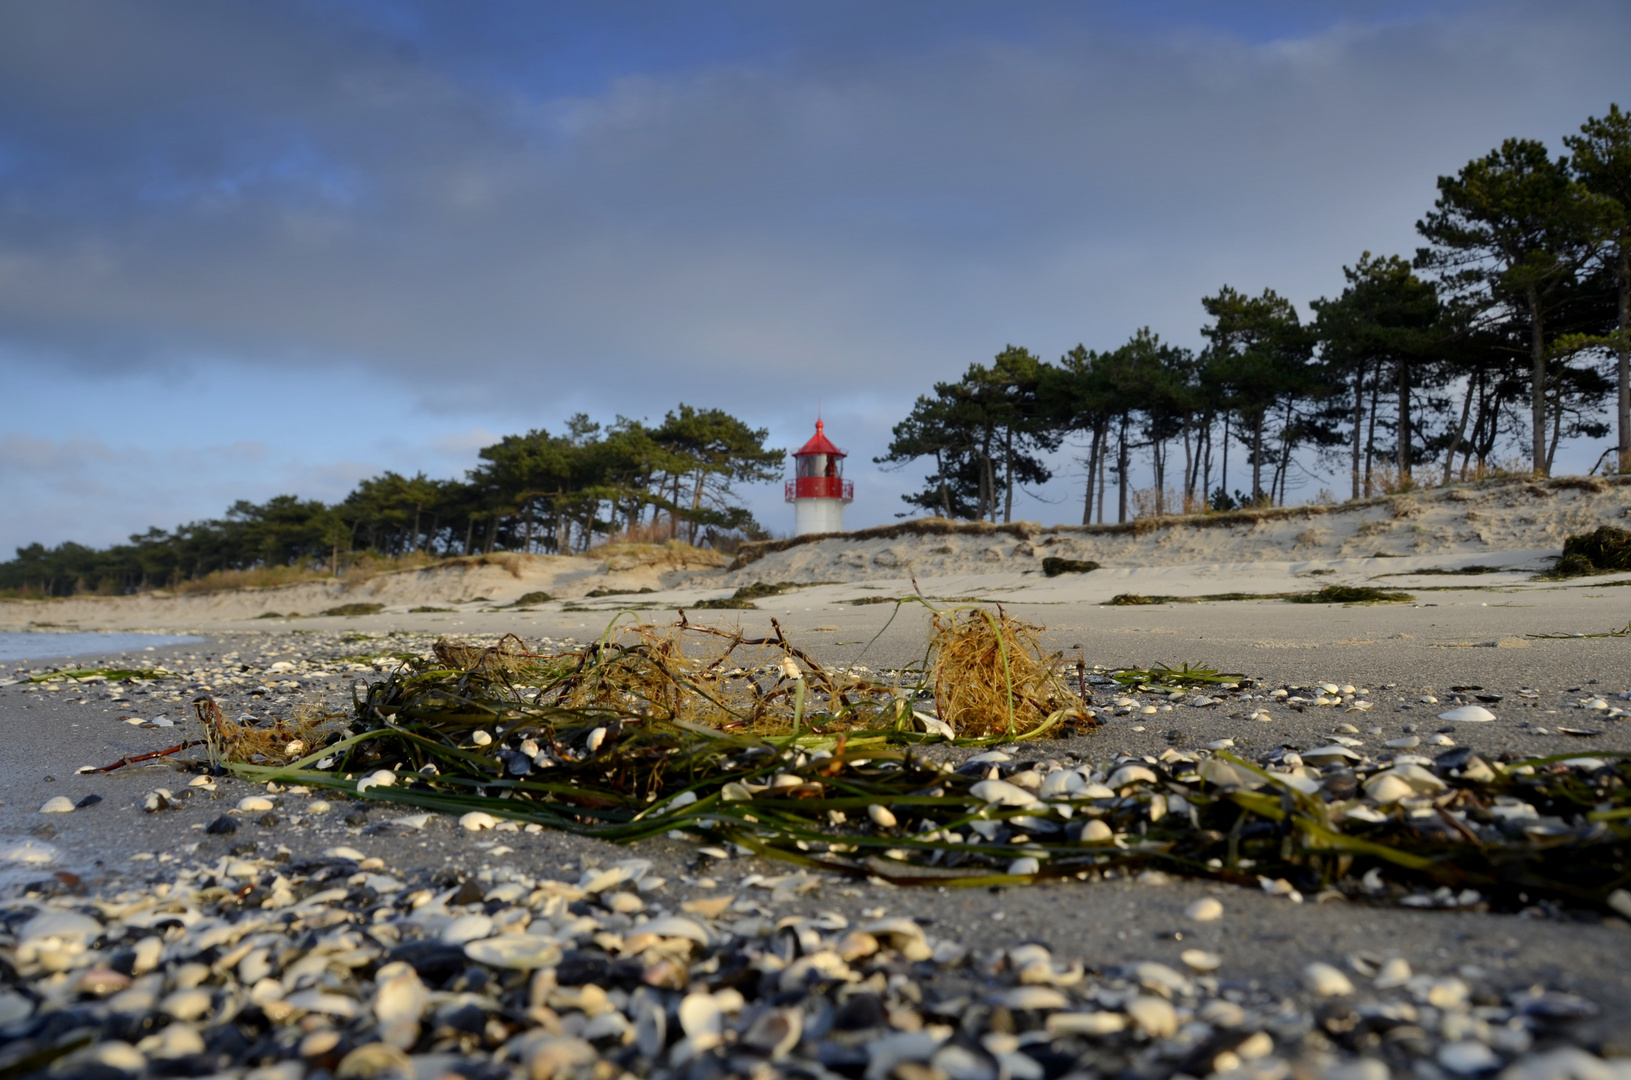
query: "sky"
249, 248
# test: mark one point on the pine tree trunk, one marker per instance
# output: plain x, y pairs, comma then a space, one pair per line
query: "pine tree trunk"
1537, 385
1092, 469
1121, 466
1008, 475
1460, 431
1623, 349
1359, 423
1406, 436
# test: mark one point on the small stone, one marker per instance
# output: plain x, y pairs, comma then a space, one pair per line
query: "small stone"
222, 826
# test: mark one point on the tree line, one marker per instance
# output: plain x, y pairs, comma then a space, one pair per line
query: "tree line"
537, 492
1507, 333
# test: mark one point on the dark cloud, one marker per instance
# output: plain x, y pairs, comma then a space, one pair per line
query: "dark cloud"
513, 215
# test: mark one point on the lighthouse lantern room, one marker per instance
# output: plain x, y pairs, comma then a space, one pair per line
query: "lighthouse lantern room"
818, 490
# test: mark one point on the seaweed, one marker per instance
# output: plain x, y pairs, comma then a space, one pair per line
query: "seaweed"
1351, 594
355, 609
592, 594
425, 609
530, 598
1604, 551
703, 733
1053, 566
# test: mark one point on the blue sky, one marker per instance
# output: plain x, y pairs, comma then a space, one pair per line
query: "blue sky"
249, 248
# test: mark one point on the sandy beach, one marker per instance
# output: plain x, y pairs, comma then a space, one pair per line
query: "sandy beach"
1501, 637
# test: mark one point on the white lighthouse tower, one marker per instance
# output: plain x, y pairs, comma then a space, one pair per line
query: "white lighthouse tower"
818, 490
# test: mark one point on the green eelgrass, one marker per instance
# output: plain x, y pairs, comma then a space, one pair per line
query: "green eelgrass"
638, 743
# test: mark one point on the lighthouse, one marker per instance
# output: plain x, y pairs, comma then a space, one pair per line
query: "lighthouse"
818, 490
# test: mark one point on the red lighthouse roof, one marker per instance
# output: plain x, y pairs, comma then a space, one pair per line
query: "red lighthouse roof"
819, 445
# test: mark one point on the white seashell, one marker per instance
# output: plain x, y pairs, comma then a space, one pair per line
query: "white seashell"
1329, 755
1206, 909
595, 739
1323, 980
1002, 793
790, 668
466, 928
1096, 832
1386, 788
520, 952
1200, 961
481, 738
1130, 774
344, 852
63, 926
677, 926
1061, 784
933, 725
58, 805
1468, 714
881, 816
1031, 997
399, 995
1064, 1024
1155, 1016
375, 1059
186, 1005
1226, 774
476, 820
1024, 866
254, 804
702, 1020
1395, 971
377, 778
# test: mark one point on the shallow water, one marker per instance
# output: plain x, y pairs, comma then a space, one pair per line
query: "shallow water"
31, 645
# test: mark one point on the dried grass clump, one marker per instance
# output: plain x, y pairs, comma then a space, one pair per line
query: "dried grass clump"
281, 740
990, 675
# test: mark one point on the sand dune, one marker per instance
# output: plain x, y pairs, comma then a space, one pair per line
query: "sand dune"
1516, 526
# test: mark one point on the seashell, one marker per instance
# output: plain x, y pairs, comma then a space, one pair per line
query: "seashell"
1468, 714
1024, 866
703, 1020
58, 805
1161, 979
1200, 961
1065, 1024
1387, 787
319, 1043
881, 816
377, 778
466, 928
1323, 980
1206, 909
1226, 774
476, 820
255, 804
175, 1041
1002, 793
1468, 1057
1130, 774
1154, 1016
399, 995
481, 738
372, 1061
595, 739
345, 852
1335, 754
774, 1032
66, 927
1395, 971
186, 1005
933, 725
678, 926
1031, 997
1095, 831
1062, 784
518, 952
